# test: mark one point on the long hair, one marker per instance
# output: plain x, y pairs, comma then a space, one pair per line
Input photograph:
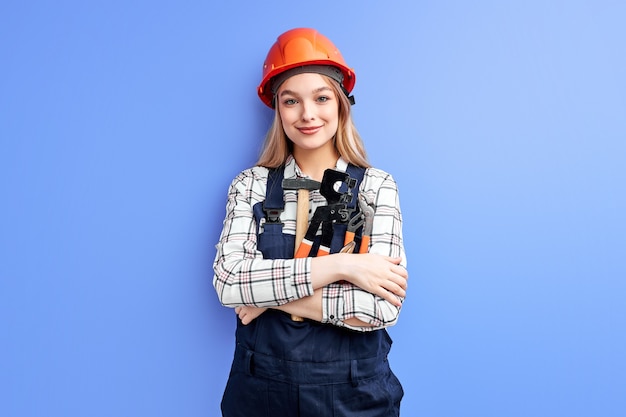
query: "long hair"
277, 147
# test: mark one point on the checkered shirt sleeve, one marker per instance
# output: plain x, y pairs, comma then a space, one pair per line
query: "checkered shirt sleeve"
242, 276
343, 300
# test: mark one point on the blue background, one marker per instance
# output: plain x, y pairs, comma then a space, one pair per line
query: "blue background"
122, 124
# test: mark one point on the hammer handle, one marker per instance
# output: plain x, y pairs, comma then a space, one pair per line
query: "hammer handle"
302, 223
302, 216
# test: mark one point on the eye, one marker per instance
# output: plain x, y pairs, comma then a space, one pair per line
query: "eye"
290, 102
323, 99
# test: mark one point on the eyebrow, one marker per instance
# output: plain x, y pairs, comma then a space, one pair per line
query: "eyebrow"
293, 93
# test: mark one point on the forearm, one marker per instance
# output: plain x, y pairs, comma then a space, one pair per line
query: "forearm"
307, 307
242, 279
328, 269
311, 308
261, 282
361, 291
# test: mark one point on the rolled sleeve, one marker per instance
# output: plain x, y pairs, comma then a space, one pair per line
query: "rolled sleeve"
333, 296
342, 301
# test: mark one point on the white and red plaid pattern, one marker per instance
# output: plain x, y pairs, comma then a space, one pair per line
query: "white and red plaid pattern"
243, 277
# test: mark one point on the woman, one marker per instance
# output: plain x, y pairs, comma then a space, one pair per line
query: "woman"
311, 336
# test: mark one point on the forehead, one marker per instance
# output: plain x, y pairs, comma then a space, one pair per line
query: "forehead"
304, 83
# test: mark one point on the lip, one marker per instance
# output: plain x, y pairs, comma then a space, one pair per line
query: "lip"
309, 130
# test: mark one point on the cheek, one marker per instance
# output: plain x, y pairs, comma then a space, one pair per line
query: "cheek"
332, 117
286, 117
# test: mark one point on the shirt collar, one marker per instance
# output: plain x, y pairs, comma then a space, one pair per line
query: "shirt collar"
292, 170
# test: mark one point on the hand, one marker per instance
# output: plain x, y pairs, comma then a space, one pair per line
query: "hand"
379, 275
247, 313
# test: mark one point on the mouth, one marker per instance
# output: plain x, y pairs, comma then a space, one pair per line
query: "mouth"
309, 130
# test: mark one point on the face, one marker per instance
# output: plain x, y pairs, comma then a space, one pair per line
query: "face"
309, 111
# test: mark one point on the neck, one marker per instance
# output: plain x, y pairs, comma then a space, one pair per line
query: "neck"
314, 162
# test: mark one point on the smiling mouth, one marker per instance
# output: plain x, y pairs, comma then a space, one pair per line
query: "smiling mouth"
309, 130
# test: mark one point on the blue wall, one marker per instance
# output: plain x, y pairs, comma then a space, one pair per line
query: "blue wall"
122, 124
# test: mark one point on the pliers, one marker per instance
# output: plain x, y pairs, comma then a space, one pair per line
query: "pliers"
367, 209
325, 216
366, 219
353, 226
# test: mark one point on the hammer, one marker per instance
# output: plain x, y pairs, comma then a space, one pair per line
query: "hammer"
303, 186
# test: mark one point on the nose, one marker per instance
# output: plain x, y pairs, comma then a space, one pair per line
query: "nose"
308, 112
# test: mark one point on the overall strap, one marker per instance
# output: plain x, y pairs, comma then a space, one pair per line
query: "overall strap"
272, 242
274, 203
357, 173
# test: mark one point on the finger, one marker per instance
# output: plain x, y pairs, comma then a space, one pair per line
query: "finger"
389, 297
395, 300
394, 259
400, 270
395, 289
400, 281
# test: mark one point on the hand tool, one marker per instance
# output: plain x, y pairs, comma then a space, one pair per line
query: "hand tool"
353, 225
335, 211
367, 209
303, 186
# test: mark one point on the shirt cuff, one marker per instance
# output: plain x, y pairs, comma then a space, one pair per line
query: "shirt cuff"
333, 304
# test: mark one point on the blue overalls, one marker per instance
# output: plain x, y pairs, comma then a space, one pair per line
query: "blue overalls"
306, 369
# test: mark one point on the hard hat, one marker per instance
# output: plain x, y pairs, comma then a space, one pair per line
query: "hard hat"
302, 50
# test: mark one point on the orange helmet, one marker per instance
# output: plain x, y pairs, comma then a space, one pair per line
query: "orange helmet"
302, 50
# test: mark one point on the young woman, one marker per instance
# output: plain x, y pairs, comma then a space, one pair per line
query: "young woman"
311, 338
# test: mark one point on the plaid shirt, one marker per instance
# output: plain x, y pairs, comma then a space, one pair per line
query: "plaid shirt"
243, 277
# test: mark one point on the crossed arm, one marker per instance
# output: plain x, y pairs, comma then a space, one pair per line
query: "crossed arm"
361, 291
379, 275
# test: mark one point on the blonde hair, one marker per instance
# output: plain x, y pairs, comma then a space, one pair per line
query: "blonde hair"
277, 147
